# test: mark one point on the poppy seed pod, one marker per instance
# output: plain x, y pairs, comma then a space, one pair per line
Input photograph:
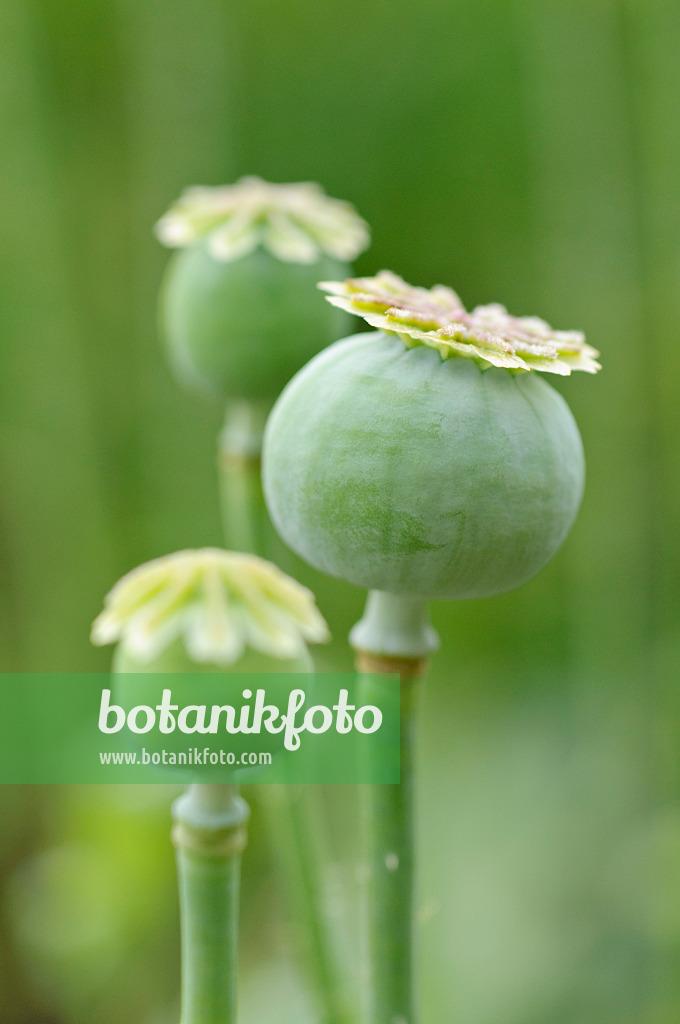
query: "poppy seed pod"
428, 458
239, 309
207, 615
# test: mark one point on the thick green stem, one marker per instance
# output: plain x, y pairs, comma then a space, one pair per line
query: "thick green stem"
209, 834
394, 636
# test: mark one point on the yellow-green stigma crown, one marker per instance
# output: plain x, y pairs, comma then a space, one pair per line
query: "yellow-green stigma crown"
296, 223
216, 602
436, 317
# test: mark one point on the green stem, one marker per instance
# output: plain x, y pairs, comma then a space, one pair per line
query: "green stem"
394, 636
391, 893
244, 514
209, 834
294, 819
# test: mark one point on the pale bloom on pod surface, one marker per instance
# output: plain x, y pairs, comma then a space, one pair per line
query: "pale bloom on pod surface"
216, 602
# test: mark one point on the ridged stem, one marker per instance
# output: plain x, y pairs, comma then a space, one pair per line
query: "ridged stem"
209, 834
394, 637
295, 823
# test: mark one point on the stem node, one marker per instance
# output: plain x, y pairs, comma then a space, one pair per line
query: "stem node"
209, 833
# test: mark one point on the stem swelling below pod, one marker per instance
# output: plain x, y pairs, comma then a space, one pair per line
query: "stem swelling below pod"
209, 834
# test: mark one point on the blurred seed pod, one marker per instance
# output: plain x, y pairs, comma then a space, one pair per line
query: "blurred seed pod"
207, 617
239, 310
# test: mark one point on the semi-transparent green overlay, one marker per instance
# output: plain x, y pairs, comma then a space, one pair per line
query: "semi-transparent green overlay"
214, 727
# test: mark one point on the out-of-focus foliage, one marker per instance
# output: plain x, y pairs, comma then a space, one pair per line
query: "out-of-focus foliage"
521, 151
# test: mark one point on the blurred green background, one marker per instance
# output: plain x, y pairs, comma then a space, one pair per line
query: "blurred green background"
523, 152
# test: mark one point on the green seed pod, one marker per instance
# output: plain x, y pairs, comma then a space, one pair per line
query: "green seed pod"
239, 309
426, 459
206, 615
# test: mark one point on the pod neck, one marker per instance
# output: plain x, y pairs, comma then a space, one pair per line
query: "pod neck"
394, 627
241, 435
